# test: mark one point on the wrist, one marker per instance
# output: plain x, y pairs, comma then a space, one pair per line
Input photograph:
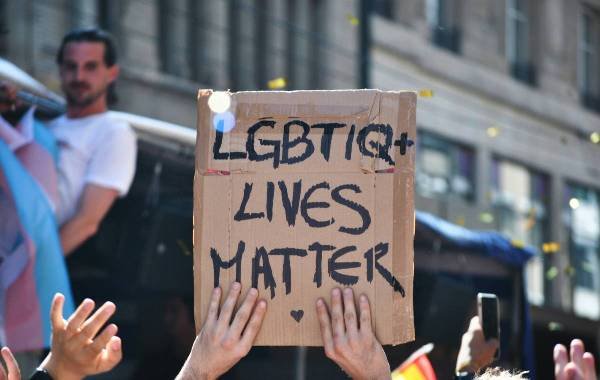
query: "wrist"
57, 370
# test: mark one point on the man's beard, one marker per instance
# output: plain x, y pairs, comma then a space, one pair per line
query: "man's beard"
85, 101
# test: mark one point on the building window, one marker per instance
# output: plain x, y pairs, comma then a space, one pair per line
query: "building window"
173, 37
582, 217
520, 199
589, 59
384, 8
443, 19
4, 31
518, 40
444, 168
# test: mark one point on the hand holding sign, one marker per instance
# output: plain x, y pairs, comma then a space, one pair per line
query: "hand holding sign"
222, 343
348, 338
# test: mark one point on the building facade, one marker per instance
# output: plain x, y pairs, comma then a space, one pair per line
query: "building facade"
510, 139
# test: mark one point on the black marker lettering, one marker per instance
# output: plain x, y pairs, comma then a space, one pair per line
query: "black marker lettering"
287, 144
381, 150
287, 271
333, 267
264, 269
241, 214
306, 205
252, 154
319, 248
328, 129
363, 212
270, 194
348, 153
290, 206
219, 264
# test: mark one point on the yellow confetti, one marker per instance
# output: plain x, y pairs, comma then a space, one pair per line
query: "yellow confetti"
517, 243
595, 137
277, 83
493, 132
550, 247
460, 221
353, 20
426, 93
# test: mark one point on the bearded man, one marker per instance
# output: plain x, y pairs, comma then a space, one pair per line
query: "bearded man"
96, 152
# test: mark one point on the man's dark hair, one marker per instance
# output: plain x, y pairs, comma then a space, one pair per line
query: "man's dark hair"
90, 35
93, 35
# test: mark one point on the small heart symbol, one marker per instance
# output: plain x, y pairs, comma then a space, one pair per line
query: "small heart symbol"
297, 314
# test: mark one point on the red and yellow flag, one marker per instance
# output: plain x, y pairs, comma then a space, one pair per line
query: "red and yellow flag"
416, 367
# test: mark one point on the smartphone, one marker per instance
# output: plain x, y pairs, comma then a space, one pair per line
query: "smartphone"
488, 310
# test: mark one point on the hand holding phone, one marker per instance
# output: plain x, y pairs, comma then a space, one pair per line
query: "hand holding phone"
488, 310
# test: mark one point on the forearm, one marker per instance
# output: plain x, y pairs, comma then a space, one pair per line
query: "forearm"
75, 232
189, 373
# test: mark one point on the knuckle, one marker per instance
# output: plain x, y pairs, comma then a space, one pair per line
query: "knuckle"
329, 353
228, 343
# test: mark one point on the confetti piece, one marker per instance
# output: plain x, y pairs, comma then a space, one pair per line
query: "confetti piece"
555, 326
517, 243
493, 132
460, 221
570, 271
486, 217
277, 83
552, 273
588, 267
595, 137
353, 20
550, 247
427, 93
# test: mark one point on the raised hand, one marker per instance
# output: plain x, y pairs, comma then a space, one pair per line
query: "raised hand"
77, 349
475, 351
11, 365
580, 367
348, 338
222, 343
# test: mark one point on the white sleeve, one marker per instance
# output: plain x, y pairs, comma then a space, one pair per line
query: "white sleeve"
112, 164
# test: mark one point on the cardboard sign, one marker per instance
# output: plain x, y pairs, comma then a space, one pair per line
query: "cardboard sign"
296, 193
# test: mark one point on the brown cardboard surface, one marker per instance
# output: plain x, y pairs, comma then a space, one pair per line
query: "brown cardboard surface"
361, 203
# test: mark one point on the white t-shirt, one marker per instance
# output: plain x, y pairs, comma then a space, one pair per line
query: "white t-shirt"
96, 149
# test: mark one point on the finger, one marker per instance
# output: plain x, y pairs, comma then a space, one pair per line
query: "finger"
350, 312
56, 312
577, 351
11, 364
474, 324
228, 306
77, 318
589, 367
325, 326
253, 327
112, 355
90, 327
560, 361
337, 315
213, 308
243, 313
2, 372
365, 315
103, 338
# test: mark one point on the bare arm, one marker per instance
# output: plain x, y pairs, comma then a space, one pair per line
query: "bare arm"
95, 203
